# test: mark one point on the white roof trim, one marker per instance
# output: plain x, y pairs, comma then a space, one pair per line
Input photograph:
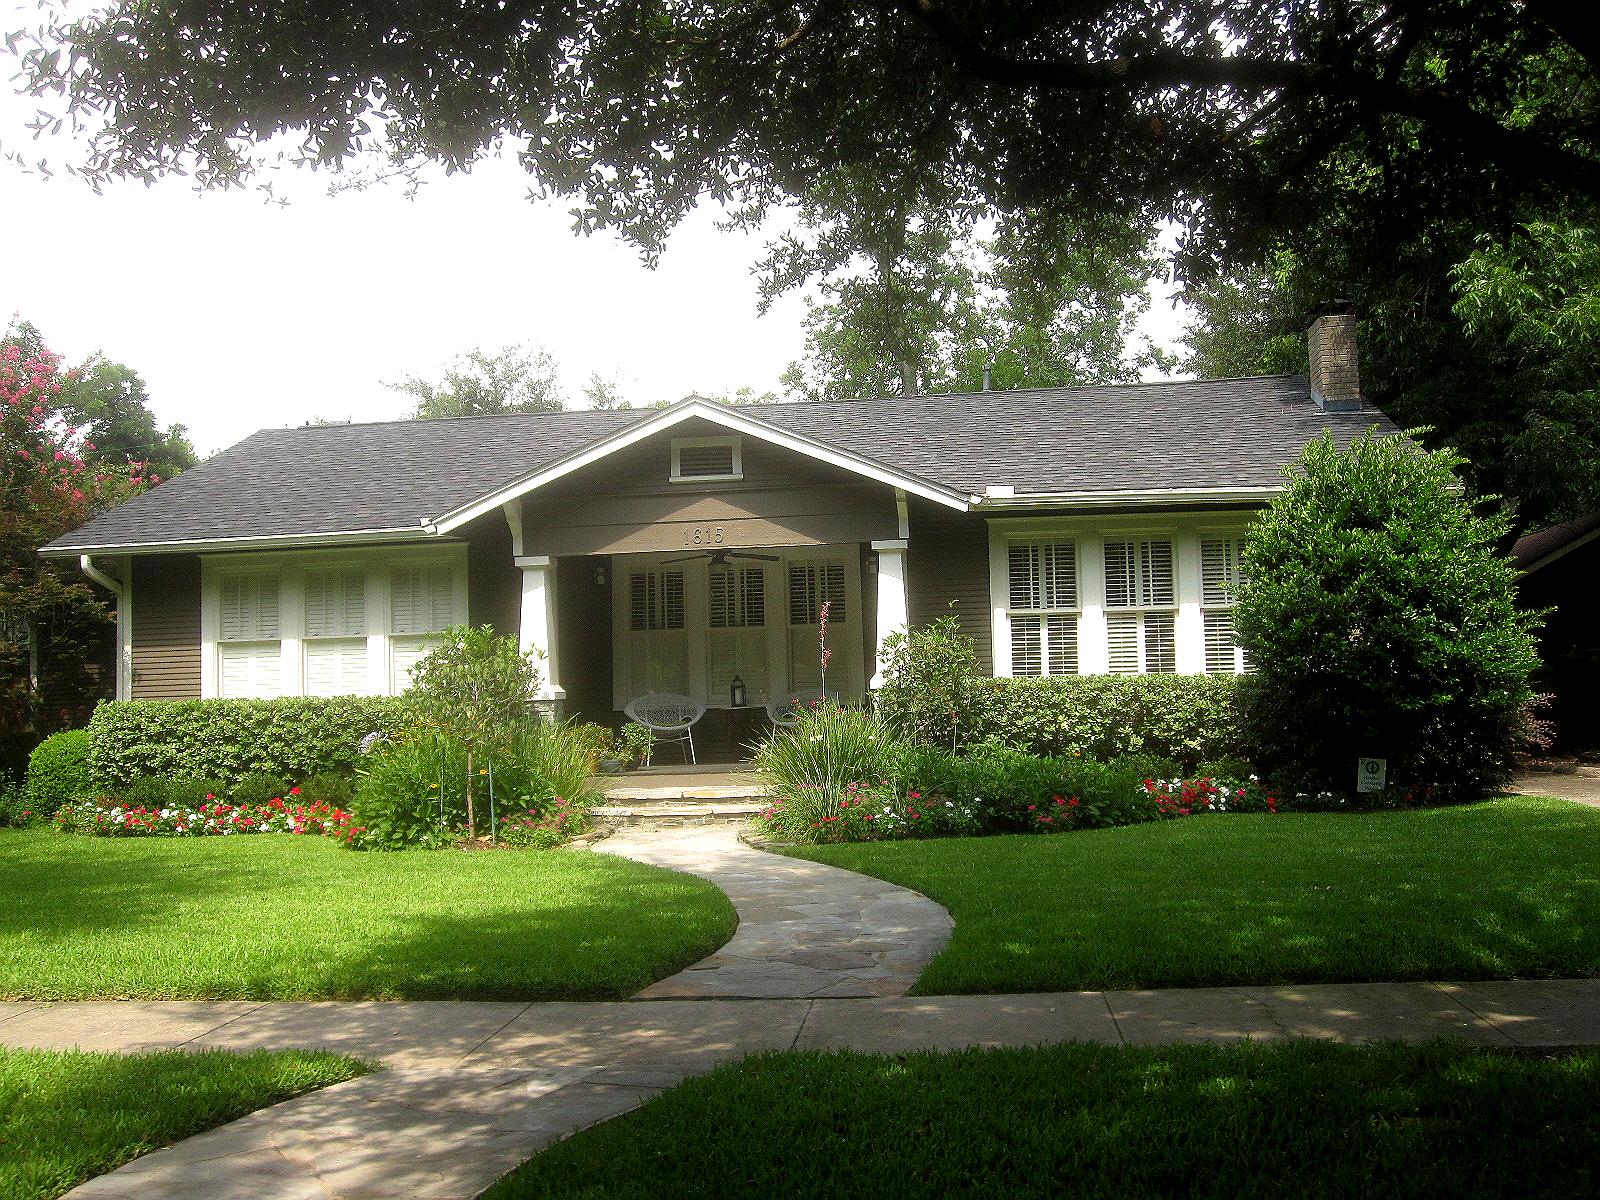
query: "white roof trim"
1125, 499
271, 542
718, 414
1561, 551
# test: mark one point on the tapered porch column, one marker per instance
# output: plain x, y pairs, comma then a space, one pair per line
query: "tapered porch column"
538, 632
893, 614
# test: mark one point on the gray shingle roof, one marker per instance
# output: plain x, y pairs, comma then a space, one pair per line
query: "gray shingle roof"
324, 479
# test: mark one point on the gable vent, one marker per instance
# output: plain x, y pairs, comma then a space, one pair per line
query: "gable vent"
706, 459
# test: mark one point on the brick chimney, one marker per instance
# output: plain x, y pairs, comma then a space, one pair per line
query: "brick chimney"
1335, 364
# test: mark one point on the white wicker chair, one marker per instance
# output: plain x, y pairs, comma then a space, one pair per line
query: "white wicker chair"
670, 717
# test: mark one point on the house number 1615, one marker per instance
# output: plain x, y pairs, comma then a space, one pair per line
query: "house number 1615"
704, 536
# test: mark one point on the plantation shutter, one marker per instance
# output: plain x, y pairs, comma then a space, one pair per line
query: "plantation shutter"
1122, 637
1221, 571
336, 667
812, 585
336, 603
422, 599
1160, 643
1063, 637
656, 649
250, 670
249, 607
1027, 646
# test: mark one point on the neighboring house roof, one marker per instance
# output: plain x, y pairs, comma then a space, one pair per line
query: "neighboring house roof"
1210, 439
1534, 550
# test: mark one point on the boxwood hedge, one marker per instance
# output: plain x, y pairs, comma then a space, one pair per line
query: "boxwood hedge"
1188, 718
292, 738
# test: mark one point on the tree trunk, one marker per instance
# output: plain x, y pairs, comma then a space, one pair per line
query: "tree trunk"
472, 829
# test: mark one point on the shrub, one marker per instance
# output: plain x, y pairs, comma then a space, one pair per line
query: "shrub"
928, 688
478, 688
58, 770
258, 787
337, 788
15, 807
1383, 622
291, 738
1186, 718
412, 792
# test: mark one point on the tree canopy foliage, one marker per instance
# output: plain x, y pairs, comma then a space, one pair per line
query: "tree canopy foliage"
479, 383
54, 475
1222, 113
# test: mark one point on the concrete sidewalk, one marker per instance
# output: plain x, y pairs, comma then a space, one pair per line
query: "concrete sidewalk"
475, 1089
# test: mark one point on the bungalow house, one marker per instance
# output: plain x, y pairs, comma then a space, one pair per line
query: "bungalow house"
1071, 530
1560, 574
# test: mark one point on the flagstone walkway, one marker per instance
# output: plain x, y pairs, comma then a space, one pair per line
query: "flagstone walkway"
805, 930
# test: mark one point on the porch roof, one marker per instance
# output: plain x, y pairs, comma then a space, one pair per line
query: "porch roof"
406, 479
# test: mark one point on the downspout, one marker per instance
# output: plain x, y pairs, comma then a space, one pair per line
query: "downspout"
118, 589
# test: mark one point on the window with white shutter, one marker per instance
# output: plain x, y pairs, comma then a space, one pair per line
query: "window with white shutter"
1141, 607
811, 585
335, 648
248, 646
1042, 606
737, 639
1221, 567
657, 649
422, 604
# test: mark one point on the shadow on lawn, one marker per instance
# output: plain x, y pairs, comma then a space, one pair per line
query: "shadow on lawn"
308, 920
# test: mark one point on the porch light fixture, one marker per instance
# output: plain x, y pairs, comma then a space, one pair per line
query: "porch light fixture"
736, 693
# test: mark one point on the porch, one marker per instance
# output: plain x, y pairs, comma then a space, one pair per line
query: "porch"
735, 629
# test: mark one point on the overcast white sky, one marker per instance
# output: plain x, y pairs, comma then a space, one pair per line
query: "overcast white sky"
241, 315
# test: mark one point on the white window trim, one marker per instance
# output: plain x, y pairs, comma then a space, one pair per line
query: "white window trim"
1091, 532
375, 564
733, 442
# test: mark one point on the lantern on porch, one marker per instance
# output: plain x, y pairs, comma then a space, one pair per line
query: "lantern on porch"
736, 693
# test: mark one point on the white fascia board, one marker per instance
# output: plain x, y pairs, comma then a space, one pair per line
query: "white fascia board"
1128, 499
338, 538
717, 414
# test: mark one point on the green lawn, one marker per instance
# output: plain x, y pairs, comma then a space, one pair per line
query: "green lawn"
68, 1115
1506, 888
286, 918
1301, 1119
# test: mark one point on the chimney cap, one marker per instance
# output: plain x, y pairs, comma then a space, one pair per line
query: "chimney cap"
1333, 308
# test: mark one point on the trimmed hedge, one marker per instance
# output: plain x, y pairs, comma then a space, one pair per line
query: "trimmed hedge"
1189, 719
291, 738
58, 770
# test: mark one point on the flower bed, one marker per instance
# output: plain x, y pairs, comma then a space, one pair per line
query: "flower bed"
214, 818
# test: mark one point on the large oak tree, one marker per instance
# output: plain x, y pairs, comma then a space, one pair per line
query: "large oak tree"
1221, 112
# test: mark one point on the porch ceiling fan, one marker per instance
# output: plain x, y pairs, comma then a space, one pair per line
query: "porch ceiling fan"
719, 558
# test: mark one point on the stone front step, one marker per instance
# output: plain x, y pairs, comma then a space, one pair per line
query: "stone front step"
671, 814
666, 800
